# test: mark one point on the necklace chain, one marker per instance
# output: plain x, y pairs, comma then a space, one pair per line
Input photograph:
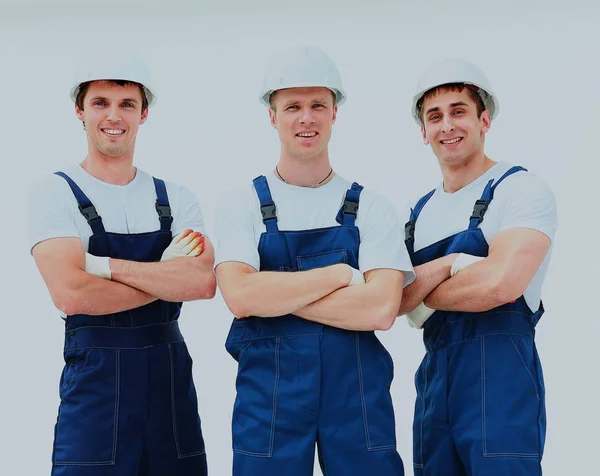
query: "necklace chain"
312, 186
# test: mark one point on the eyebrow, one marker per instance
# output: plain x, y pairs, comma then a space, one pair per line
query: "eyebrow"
102, 98
297, 101
454, 104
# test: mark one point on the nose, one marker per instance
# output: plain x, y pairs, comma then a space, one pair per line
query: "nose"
307, 115
113, 114
447, 124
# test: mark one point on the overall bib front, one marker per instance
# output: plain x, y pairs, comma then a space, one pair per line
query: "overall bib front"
300, 382
128, 403
480, 392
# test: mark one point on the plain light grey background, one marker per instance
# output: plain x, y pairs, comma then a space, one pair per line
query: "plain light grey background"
209, 132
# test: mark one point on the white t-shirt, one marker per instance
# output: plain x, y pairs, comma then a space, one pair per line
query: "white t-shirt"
522, 200
54, 213
239, 223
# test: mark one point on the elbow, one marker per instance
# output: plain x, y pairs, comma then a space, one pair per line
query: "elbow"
209, 288
238, 308
67, 302
204, 288
503, 290
386, 314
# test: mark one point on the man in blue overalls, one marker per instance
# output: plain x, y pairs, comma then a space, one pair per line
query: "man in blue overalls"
291, 254
102, 237
480, 243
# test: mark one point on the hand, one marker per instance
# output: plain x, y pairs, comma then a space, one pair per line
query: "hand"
188, 243
417, 317
98, 266
462, 261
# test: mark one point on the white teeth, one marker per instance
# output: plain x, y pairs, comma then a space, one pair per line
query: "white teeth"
452, 141
307, 134
114, 132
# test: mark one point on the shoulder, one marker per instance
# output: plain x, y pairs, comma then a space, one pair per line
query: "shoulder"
51, 187
525, 184
238, 200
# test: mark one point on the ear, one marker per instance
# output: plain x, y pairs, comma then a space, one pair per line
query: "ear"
486, 121
144, 116
424, 134
79, 112
273, 118
335, 110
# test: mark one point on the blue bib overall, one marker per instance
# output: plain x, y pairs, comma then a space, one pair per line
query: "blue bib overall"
128, 403
301, 383
480, 392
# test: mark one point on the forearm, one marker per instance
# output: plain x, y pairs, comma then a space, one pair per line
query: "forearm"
370, 306
181, 279
476, 288
429, 276
271, 294
88, 294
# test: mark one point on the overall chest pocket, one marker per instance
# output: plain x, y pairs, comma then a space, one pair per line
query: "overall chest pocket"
320, 260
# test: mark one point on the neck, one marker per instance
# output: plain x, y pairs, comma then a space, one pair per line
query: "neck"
116, 171
457, 176
307, 172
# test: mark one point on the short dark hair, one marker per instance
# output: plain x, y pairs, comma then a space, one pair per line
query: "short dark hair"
473, 92
117, 82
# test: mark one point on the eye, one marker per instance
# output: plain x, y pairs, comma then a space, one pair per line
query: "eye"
128, 105
98, 103
435, 117
291, 107
459, 112
319, 105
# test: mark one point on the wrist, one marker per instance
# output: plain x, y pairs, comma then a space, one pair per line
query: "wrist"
447, 262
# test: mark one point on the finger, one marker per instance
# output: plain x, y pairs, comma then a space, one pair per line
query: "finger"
194, 241
198, 250
183, 235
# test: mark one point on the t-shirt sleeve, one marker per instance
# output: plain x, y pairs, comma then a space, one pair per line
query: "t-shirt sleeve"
188, 215
234, 229
382, 240
51, 211
528, 203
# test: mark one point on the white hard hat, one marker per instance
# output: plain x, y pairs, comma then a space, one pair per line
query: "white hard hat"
455, 71
111, 65
302, 66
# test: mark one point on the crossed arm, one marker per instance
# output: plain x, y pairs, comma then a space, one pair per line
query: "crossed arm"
513, 259
320, 295
61, 262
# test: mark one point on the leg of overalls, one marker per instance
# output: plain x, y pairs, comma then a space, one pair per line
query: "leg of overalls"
173, 442
99, 431
496, 405
356, 422
275, 412
434, 451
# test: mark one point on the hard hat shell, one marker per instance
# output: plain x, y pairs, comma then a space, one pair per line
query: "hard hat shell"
455, 71
111, 65
302, 66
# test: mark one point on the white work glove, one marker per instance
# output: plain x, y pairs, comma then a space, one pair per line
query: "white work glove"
187, 243
462, 261
357, 277
98, 266
417, 317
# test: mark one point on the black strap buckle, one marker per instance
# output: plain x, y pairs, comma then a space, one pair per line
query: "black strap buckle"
409, 231
89, 212
479, 209
350, 206
268, 212
164, 211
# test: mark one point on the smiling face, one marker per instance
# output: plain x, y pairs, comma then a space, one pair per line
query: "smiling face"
112, 114
455, 125
304, 118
